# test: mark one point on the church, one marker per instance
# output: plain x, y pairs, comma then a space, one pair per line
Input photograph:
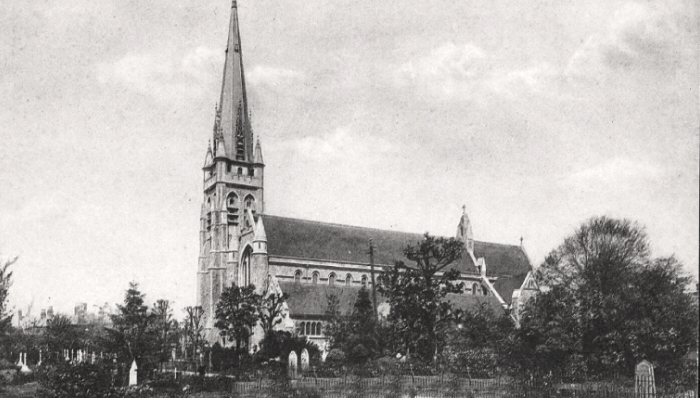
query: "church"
241, 243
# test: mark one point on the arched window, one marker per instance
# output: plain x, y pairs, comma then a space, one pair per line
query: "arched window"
313, 329
301, 328
318, 328
364, 280
475, 289
297, 276
308, 327
348, 280
231, 200
331, 279
484, 290
244, 276
314, 278
250, 202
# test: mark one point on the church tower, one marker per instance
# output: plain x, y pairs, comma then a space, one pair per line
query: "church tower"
233, 190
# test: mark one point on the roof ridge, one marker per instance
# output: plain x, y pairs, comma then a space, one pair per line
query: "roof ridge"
343, 225
497, 243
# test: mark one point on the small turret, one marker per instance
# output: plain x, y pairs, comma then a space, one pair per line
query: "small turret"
257, 157
259, 237
464, 231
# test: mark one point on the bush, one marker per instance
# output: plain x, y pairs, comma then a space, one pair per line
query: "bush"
81, 380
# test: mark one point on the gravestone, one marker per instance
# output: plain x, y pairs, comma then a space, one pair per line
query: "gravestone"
644, 383
132, 374
292, 366
304, 360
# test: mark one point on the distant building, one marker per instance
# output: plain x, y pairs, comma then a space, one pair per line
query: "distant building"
240, 243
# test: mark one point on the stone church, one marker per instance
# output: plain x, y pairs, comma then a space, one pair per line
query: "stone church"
241, 243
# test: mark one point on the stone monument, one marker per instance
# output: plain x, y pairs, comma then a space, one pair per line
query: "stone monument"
133, 380
292, 366
644, 383
304, 360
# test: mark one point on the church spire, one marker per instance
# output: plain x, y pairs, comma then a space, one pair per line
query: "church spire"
233, 107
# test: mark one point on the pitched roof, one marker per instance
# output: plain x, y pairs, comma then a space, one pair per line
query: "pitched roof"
507, 262
289, 237
306, 299
309, 300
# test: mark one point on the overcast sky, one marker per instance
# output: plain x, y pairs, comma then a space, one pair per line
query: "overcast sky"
536, 115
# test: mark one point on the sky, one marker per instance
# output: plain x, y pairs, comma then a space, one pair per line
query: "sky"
535, 115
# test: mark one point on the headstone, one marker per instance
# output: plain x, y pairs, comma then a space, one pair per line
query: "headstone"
175, 373
304, 360
132, 374
39, 363
292, 366
644, 383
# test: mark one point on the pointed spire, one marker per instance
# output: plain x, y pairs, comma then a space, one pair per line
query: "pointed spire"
258, 158
233, 108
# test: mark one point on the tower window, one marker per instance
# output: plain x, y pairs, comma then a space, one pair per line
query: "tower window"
314, 278
484, 290
251, 172
240, 170
228, 168
209, 221
331, 279
250, 202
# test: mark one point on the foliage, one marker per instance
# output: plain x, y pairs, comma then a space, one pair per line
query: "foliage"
356, 333
164, 326
5, 284
270, 310
76, 381
194, 328
237, 313
606, 305
416, 293
476, 344
139, 334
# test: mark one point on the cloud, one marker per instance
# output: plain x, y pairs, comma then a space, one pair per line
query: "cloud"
447, 71
641, 37
262, 75
343, 143
164, 76
615, 173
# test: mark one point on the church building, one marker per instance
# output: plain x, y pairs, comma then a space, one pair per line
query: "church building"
241, 243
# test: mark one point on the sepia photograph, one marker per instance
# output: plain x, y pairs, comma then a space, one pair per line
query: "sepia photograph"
336, 198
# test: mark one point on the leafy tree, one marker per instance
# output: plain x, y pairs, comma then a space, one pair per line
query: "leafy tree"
416, 293
606, 304
59, 334
237, 313
194, 328
476, 343
355, 333
132, 336
164, 326
271, 307
5, 284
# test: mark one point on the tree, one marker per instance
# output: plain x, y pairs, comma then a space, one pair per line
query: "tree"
417, 293
132, 335
606, 304
194, 328
164, 326
59, 335
476, 343
237, 313
271, 307
5, 284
